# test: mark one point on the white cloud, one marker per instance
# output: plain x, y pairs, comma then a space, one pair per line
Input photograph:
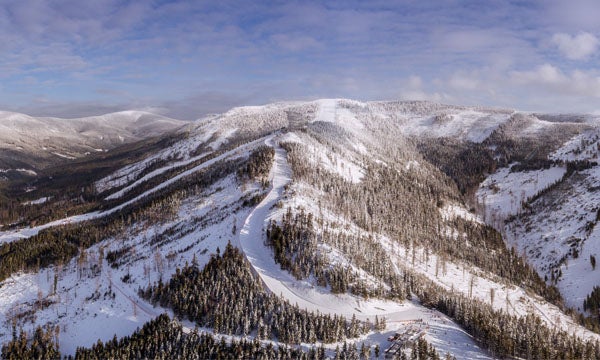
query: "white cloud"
550, 78
412, 89
464, 81
544, 74
576, 47
415, 82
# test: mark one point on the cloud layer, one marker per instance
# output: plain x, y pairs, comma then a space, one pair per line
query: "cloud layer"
189, 58
576, 47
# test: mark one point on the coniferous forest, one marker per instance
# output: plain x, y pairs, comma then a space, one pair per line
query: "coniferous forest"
198, 295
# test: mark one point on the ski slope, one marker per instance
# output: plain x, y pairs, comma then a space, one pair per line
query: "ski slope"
444, 334
12, 235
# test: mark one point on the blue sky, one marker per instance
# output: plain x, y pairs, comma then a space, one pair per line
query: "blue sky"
188, 58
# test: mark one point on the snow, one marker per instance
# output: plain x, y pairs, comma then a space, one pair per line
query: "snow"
342, 163
447, 336
502, 193
181, 150
584, 146
198, 134
338, 165
21, 170
453, 211
330, 110
223, 138
451, 276
546, 237
12, 235
155, 173
82, 320
37, 201
512, 299
64, 156
72, 138
455, 276
326, 110
209, 218
469, 124
558, 221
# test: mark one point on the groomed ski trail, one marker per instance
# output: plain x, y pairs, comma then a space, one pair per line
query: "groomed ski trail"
442, 333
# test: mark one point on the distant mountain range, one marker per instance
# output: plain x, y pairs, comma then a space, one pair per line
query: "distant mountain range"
28, 142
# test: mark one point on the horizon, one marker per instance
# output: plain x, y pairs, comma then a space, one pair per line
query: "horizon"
187, 59
159, 112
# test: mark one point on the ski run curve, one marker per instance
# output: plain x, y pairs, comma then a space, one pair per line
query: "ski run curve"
445, 335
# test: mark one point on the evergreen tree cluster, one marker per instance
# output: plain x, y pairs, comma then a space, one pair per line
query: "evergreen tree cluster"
502, 334
43, 345
422, 350
163, 338
405, 206
466, 163
61, 243
70, 186
228, 298
259, 163
510, 148
592, 301
294, 243
295, 246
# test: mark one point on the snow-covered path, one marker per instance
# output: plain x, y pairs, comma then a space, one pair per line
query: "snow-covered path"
443, 333
155, 173
326, 111
281, 282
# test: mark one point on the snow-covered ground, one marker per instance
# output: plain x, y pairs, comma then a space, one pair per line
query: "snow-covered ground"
12, 235
21, 170
37, 201
155, 173
585, 146
512, 299
502, 194
467, 124
344, 163
443, 333
72, 138
84, 316
452, 276
453, 211
455, 276
84, 310
560, 224
198, 135
82, 306
557, 234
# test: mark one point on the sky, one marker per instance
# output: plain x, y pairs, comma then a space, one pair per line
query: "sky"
185, 59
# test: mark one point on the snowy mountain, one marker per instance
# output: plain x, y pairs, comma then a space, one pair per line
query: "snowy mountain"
36, 142
323, 227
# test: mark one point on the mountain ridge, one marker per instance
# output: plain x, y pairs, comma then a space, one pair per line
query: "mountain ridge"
43, 141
